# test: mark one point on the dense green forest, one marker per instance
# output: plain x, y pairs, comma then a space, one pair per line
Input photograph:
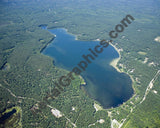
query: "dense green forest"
27, 76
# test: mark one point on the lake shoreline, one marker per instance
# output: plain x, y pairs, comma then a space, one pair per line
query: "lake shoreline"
114, 62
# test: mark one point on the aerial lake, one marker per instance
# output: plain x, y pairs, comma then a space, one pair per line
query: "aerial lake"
103, 82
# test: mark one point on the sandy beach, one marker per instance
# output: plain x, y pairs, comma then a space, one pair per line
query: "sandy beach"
114, 62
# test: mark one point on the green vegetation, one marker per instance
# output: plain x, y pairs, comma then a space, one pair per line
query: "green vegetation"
27, 76
11, 117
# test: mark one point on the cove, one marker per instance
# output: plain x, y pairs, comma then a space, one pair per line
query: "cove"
103, 83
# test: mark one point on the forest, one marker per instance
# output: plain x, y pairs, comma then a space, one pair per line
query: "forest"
27, 76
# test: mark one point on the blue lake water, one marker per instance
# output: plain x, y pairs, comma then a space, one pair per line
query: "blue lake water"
104, 84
